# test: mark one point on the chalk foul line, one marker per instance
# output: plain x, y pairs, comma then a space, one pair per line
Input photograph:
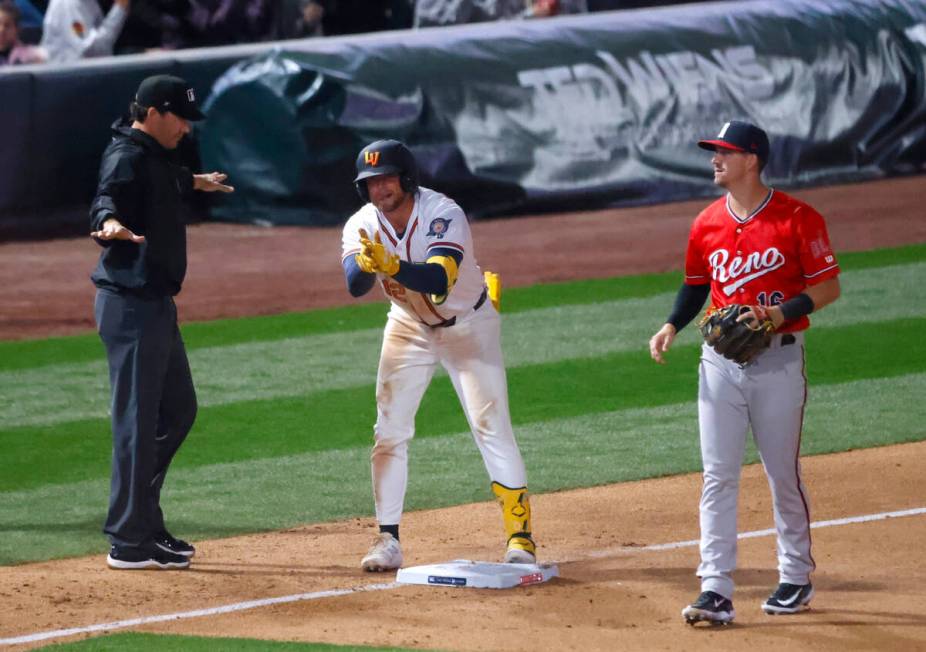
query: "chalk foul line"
333, 593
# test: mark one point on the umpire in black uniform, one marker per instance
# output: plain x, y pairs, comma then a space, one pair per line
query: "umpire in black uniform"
137, 217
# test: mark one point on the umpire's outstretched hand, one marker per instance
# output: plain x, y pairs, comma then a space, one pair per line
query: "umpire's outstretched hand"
113, 230
211, 182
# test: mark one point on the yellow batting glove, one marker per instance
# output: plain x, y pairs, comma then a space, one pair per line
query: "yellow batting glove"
386, 262
366, 245
365, 263
381, 260
364, 260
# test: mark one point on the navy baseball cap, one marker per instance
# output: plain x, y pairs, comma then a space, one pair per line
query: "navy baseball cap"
385, 157
169, 93
739, 137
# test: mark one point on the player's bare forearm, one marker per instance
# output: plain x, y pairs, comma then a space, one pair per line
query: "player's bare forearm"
825, 293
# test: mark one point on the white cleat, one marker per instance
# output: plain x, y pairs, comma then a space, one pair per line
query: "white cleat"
789, 599
519, 556
711, 608
521, 550
385, 554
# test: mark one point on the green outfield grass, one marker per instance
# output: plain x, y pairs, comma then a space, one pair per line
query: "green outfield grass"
28, 354
287, 406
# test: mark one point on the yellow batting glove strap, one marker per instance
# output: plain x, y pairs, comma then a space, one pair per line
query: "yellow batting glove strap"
450, 267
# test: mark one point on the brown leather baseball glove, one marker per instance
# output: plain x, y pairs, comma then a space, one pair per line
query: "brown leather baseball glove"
740, 341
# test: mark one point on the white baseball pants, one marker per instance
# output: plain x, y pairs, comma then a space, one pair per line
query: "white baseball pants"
768, 395
470, 351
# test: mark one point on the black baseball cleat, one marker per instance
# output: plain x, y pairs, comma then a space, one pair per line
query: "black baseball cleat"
169, 543
710, 607
145, 556
789, 599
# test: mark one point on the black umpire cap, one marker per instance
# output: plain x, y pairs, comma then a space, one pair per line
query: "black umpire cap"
740, 137
169, 93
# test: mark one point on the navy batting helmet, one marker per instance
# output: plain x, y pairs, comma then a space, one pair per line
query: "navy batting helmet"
386, 157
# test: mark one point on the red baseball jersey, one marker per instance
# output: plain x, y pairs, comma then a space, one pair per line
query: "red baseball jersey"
765, 258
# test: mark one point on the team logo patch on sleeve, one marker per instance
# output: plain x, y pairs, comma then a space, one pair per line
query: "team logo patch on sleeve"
438, 227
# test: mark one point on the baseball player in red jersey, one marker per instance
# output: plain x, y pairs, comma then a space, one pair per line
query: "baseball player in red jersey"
416, 243
759, 247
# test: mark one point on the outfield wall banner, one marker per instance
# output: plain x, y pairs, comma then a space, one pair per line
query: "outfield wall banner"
601, 110
522, 116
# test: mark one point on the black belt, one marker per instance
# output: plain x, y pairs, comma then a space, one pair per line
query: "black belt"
144, 294
447, 323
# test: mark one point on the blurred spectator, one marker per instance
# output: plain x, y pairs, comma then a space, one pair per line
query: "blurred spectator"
29, 15
224, 22
548, 8
611, 5
152, 25
30, 22
362, 16
301, 18
75, 29
12, 51
432, 13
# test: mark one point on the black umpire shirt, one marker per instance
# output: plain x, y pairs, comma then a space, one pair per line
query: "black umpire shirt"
143, 188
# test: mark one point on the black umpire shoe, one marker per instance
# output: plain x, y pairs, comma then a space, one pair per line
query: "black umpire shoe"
788, 599
710, 607
169, 543
145, 556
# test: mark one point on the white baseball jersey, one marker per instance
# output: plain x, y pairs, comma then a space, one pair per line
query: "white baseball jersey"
462, 334
436, 222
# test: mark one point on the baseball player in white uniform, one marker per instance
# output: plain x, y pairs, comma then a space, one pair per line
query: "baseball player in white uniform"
416, 244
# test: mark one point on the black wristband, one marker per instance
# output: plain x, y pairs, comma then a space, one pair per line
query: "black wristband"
797, 307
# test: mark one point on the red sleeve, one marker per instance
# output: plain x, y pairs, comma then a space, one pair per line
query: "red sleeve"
696, 270
818, 261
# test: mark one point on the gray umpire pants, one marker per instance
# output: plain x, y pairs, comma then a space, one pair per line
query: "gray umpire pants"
153, 407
